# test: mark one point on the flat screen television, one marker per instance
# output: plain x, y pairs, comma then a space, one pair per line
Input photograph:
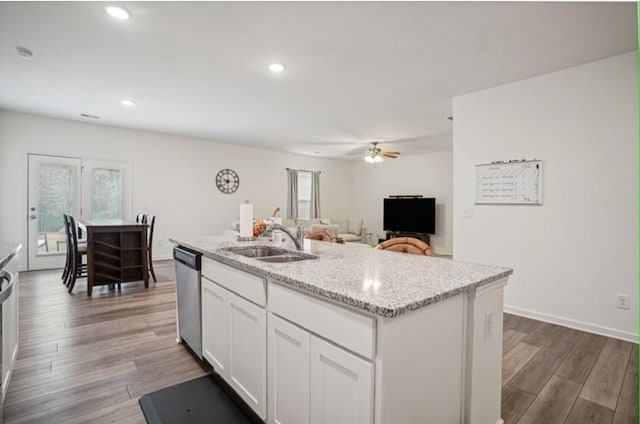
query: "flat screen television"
410, 215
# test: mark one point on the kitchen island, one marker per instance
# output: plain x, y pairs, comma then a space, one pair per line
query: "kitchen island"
354, 335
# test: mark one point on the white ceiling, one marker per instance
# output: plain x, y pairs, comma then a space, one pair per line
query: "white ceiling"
356, 71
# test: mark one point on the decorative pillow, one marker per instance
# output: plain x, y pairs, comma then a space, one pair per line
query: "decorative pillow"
325, 221
354, 226
343, 226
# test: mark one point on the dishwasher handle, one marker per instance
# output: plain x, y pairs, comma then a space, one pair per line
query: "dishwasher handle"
188, 257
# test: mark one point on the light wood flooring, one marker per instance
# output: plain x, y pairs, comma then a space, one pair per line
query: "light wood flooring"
88, 360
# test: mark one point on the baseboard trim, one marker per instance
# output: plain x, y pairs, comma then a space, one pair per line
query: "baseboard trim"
572, 323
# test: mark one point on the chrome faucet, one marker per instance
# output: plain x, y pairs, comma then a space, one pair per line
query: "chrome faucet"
298, 239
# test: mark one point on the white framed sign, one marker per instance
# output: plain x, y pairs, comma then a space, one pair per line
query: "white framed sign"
515, 182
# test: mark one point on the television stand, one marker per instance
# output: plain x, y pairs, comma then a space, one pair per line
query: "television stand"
420, 236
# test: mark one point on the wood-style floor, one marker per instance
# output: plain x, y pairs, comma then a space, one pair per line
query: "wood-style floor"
556, 375
88, 360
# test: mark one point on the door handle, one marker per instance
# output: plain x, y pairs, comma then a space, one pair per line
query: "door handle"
32, 217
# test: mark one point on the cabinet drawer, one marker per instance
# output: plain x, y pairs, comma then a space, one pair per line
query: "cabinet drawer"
247, 285
346, 328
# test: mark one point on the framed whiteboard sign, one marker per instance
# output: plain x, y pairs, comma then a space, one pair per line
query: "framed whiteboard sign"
509, 182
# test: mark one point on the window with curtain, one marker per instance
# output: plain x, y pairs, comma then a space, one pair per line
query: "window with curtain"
303, 200
304, 194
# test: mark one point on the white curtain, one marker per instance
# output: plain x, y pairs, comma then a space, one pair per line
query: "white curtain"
315, 195
292, 194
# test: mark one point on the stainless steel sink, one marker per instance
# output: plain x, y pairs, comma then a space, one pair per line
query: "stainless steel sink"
270, 254
283, 258
257, 251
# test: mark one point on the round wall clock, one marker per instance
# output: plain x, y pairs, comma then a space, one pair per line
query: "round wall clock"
227, 181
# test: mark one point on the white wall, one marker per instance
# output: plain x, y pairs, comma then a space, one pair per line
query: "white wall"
572, 255
173, 177
427, 174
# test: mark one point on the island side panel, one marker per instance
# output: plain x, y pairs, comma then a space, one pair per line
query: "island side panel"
483, 354
419, 365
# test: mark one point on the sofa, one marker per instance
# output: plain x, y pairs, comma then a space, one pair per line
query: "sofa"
349, 229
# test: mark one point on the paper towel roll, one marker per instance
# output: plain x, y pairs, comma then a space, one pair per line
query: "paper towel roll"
246, 220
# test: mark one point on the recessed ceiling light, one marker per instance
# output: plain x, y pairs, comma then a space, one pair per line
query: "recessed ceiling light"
276, 67
24, 52
118, 12
128, 102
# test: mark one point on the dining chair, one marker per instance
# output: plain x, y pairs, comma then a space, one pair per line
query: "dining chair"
406, 245
75, 252
140, 218
67, 263
324, 234
150, 220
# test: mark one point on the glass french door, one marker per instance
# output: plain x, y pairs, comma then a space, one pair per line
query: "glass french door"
85, 189
54, 189
106, 190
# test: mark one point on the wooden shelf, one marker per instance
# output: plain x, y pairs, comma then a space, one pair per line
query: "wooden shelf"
116, 254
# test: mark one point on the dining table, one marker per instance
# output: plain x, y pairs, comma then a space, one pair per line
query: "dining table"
116, 252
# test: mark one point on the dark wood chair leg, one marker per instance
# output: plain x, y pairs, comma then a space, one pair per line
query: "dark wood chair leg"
151, 271
67, 265
74, 273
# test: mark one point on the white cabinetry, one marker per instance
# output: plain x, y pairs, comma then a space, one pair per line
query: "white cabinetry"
248, 353
314, 381
214, 326
289, 370
341, 386
10, 327
234, 333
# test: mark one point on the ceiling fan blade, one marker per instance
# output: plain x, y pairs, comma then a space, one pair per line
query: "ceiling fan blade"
391, 155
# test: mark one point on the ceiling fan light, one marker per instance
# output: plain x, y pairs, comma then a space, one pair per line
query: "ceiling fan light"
369, 159
378, 159
118, 12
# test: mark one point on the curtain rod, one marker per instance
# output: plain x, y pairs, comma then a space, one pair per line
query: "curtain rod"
305, 170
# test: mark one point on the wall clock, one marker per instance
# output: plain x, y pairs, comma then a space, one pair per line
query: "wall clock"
227, 181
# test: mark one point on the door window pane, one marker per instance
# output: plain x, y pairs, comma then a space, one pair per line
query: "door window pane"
56, 188
106, 193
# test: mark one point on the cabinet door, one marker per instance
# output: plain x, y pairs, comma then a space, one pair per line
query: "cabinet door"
215, 339
10, 329
341, 386
288, 372
248, 352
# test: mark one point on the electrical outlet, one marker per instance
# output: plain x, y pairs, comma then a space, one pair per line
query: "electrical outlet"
488, 325
623, 301
468, 213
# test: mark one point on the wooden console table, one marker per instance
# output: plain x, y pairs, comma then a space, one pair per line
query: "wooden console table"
116, 252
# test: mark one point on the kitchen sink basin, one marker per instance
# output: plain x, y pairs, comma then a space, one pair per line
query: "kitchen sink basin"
270, 254
284, 258
257, 251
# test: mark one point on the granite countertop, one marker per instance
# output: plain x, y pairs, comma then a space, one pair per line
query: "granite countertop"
382, 283
7, 252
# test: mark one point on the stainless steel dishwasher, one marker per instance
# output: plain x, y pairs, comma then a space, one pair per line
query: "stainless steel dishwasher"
188, 265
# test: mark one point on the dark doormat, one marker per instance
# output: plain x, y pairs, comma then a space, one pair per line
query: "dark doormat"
198, 401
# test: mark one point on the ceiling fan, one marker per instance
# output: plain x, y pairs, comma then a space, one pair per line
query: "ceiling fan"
377, 155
